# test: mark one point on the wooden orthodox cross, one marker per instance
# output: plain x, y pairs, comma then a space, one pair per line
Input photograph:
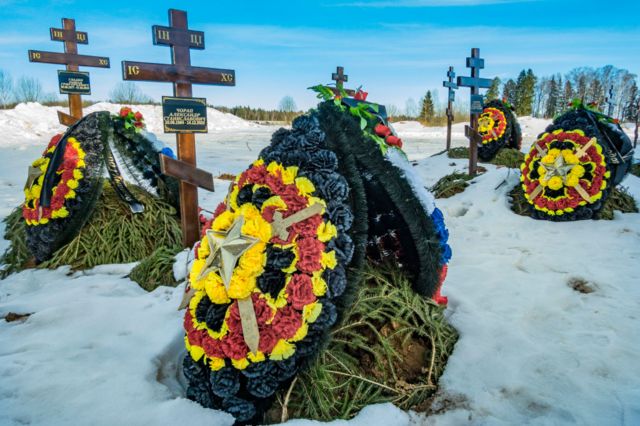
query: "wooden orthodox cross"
340, 78
475, 83
72, 60
452, 86
180, 72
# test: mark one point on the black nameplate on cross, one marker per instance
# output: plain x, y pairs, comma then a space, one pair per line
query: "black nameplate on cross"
475, 83
340, 78
71, 38
180, 72
452, 86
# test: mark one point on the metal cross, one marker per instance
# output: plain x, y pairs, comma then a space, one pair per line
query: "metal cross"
452, 86
475, 83
610, 102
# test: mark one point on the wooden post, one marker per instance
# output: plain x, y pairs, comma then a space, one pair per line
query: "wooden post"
180, 72
475, 63
452, 86
71, 38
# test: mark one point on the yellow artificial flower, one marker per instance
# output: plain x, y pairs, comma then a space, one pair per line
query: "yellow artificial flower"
301, 333
216, 363
572, 180
542, 171
555, 183
289, 175
326, 231
215, 289
258, 357
282, 350
254, 259
240, 364
196, 352
311, 311
223, 221
77, 174
275, 201
319, 285
577, 171
242, 284
328, 260
72, 183
548, 159
305, 186
569, 157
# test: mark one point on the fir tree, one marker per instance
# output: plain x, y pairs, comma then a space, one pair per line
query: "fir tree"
509, 92
494, 90
552, 99
525, 91
567, 94
427, 114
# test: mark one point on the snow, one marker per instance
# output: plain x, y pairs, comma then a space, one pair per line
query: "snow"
32, 121
99, 350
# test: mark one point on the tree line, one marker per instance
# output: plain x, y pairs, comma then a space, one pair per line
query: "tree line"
612, 89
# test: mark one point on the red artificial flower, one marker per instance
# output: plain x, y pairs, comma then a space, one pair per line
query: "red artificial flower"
307, 227
54, 141
274, 183
138, 124
300, 291
361, 95
124, 111
234, 346
382, 130
212, 347
287, 322
309, 252
138, 116
393, 141
616, 121
256, 174
268, 339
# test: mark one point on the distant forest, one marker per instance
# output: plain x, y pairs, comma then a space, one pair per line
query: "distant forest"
545, 97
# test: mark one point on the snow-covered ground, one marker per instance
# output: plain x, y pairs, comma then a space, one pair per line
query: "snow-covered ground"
99, 350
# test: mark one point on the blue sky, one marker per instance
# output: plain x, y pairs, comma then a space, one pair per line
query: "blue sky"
395, 49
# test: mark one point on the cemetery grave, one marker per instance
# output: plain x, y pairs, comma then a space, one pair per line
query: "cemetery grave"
314, 290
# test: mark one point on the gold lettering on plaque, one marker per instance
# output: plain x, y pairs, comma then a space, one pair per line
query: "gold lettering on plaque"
57, 34
35, 55
163, 35
227, 77
103, 61
133, 70
81, 36
196, 39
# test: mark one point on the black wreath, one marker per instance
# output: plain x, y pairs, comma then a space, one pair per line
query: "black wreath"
617, 151
101, 136
247, 393
378, 204
486, 152
43, 240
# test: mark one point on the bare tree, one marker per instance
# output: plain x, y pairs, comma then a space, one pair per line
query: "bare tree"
28, 89
392, 110
6, 88
411, 108
127, 92
287, 104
